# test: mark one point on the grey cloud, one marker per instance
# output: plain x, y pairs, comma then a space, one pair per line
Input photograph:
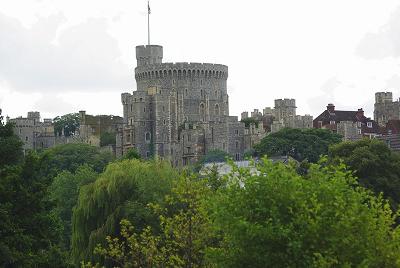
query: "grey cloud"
384, 43
52, 104
82, 58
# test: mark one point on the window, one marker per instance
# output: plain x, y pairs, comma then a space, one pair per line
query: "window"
147, 154
369, 124
216, 109
189, 137
237, 145
163, 109
332, 122
164, 122
237, 132
390, 132
319, 124
147, 137
131, 108
359, 124
237, 157
144, 109
359, 131
142, 123
26, 138
131, 121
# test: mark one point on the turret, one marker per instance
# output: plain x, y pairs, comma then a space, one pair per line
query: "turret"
150, 54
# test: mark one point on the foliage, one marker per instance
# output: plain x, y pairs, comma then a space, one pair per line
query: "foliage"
250, 120
68, 123
131, 154
185, 232
122, 191
63, 192
68, 157
10, 144
29, 232
277, 218
107, 138
300, 144
375, 165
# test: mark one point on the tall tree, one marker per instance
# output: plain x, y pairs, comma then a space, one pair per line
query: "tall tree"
301, 144
277, 218
122, 191
375, 165
10, 144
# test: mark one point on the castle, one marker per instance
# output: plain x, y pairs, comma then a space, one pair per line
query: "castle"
180, 111
385, 108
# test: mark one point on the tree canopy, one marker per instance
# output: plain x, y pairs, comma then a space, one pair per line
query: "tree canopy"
375, 165
67, 123
122, 191
277, 218
301, 144
10, 144
68, 157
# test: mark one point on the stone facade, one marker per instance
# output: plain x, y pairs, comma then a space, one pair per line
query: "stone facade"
93, 126
385, 108
180, 111
35, 134
283, 115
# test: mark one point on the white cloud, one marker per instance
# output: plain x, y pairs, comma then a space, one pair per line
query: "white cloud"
83, 57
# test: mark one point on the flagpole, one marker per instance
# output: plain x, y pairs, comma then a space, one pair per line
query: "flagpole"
148, 22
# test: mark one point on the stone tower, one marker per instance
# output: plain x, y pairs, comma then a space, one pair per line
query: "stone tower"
385, 108
180, 111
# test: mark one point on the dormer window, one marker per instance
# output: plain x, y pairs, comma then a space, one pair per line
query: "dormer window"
369, 124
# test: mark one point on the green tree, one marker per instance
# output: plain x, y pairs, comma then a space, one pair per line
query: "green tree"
67, 123
300, 144
29, 232
10, 144
63, 192
122, 191
185, 232
107, 138
131, 154
68, 157
250, 120
276, 218
375, 165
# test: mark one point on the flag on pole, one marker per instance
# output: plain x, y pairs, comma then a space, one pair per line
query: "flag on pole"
148, 7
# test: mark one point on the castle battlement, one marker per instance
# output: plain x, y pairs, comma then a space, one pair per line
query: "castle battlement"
181, 70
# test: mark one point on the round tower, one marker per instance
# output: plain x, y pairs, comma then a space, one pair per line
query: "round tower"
150, 54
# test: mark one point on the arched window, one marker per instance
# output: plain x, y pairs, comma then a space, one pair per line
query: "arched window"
202, 111
147, 137
216, 109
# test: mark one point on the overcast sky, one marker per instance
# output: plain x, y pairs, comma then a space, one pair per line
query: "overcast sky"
62, 56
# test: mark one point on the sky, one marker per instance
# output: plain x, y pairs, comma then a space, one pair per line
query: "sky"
62, 56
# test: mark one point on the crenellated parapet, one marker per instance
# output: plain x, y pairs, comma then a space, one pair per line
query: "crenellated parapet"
181, 70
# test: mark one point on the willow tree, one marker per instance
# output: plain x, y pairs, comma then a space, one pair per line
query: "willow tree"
124, 190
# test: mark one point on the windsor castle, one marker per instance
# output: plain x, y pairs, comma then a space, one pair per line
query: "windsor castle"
179, 112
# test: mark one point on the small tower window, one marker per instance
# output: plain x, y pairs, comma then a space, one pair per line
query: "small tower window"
147, 136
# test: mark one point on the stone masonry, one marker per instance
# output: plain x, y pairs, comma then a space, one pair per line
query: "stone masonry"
180, 111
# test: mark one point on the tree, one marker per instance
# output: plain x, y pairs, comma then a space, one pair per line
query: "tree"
131, 154
10, 144
29, 232
375, 165
107, 138
277, 218
300, 144
68, 157
185, 232
67, 123
63, 192
122, 191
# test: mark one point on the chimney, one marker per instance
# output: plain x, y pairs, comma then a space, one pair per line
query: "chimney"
360, 113
331, 108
